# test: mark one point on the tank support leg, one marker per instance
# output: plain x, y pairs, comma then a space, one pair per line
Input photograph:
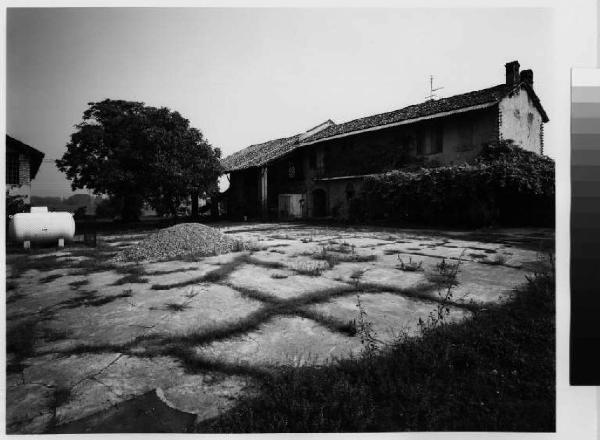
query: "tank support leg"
26, 244
61, 242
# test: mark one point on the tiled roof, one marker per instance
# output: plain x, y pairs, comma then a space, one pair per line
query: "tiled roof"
35, 156
427, 108
260, 154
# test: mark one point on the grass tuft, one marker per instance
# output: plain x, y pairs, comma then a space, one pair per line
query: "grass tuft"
498, 260
79, 283
312, 269
214, 276
176, 307
133, 278
410, 265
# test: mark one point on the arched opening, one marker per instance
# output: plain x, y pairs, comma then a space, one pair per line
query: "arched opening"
319, 199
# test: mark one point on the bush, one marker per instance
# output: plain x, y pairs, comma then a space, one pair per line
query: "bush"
503, 185
15, 204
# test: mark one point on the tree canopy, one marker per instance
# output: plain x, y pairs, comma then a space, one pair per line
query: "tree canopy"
137, 153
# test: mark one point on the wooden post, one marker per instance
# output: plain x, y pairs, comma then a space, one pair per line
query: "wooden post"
61, 242
26, 244
264, 207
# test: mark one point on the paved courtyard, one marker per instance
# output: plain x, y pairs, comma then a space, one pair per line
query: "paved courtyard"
86, 336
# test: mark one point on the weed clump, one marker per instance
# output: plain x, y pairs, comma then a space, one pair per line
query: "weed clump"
497, 260
313, 269
445, 275
176, 307
410, 265
334, 255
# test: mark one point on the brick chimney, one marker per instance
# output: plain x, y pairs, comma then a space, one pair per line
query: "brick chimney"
512, 73
527, 77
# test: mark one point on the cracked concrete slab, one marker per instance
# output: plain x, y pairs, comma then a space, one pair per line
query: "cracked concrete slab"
76, 316
65, 371
30, 408
391, 315
205, 395
277, 342
293, 286
181, 276
146, 312
478, 283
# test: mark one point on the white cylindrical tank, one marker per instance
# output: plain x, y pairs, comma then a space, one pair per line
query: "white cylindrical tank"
38, 226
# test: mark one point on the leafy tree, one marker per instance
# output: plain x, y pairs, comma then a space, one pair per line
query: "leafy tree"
136, 153
107, 208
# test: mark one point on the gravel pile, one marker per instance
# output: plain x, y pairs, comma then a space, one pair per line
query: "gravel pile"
178, 241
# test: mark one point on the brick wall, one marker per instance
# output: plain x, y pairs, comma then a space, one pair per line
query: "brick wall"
24, 173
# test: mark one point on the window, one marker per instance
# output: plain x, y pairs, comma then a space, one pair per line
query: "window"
12, 168
437, 146
294, 169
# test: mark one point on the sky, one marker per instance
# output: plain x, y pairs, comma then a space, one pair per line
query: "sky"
244, 76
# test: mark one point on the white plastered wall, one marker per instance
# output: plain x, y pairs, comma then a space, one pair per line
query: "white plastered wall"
521, 121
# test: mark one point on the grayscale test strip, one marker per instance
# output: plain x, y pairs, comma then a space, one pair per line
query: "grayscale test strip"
585, 227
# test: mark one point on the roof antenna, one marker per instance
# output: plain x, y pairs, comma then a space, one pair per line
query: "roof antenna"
432, 95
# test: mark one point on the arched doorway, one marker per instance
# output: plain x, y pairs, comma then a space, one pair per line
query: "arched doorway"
319, 203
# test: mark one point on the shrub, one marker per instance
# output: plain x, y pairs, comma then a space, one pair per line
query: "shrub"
15, 204
503, 185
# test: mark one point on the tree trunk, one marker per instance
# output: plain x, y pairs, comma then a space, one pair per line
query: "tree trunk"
214, 206
130, 210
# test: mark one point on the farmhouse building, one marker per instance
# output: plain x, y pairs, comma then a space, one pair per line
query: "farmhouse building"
22, 165
318, 172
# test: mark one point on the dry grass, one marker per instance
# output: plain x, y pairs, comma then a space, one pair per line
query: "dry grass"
310, 268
